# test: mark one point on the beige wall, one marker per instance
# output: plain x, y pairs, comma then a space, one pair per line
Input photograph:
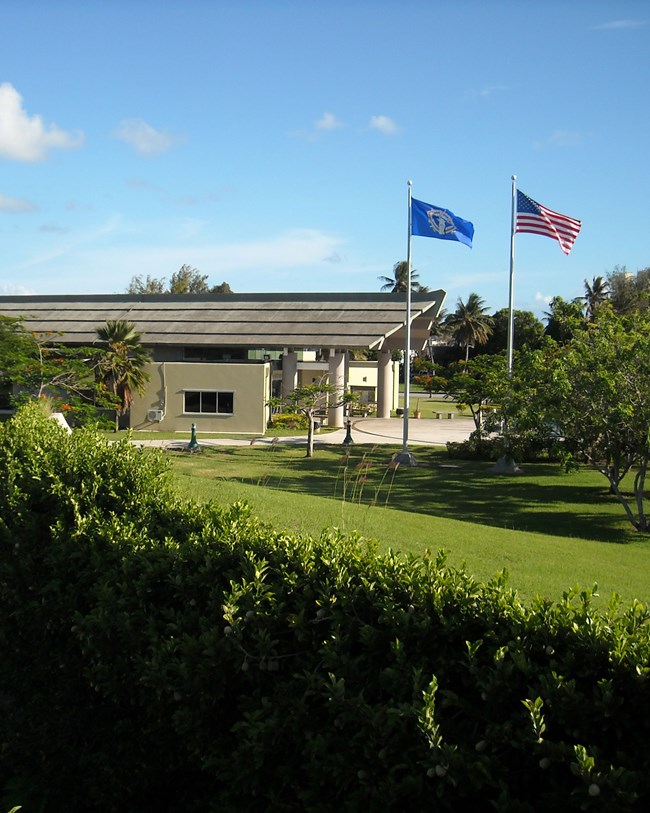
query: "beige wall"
168, 381
357, 371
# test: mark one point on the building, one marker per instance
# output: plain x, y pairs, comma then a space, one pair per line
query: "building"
217, 359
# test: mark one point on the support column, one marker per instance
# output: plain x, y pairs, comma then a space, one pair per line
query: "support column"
337, 379
289, 372
384, 384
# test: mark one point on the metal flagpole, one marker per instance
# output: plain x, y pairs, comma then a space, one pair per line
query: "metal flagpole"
511, 310
405, 457
505, 464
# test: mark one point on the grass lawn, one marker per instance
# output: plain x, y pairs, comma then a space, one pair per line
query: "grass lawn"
182, 436
428, 406
550, 530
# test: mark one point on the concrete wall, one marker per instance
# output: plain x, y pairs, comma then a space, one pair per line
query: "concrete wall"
249, 384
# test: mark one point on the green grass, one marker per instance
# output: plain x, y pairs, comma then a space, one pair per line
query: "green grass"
430, 406
550, 530
181, 436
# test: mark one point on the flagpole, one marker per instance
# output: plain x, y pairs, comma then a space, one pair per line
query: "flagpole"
511, 310
506, 464
405, 457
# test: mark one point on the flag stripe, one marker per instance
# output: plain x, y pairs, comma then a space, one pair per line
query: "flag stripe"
534, 218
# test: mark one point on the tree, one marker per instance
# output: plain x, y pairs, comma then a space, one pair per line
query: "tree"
596, 293
592, 398
469, 324
150, 285
398, 283
439, 329
564, 319
222, 288
528, 330
628, 292
35, 366
121, 367
16, 352
311, 399
186, 280
477, 383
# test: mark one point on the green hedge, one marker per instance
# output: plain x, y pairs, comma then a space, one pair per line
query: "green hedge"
158, 656
289, 420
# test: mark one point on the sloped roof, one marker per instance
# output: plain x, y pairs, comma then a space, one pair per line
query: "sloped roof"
245, 320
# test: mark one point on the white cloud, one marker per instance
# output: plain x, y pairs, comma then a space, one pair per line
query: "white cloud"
384, 124
144, 139
490, 90
486, 91
52, 228
9, 289
328, 121
16, 205
560, 138
545, 298
87, 262
26, 138
619, 24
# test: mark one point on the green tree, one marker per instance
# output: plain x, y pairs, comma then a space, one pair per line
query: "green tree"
16, 352
222, 288
596, 293
186, 280
35, 366
311, 399
469, 324
528, 330
628, 292
121, 366
564, 319
150, 285
476, 384
398, 283
592, 398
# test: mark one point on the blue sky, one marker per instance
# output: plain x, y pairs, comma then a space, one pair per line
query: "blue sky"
269, 144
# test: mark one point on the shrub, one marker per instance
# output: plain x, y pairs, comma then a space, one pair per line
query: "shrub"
161, 655
289, 420
522, 448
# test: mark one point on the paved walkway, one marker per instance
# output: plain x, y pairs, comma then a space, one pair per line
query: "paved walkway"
422, 432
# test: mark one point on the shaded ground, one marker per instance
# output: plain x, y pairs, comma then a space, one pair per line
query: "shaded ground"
541, 499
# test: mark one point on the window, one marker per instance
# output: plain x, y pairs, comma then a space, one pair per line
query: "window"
209, 353
209, 402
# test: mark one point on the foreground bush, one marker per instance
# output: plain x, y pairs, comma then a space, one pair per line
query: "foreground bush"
161, 656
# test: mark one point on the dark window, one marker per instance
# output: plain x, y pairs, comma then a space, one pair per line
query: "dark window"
209, 403
208, 353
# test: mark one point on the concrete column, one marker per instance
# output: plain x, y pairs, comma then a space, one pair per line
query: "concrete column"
337, 378
289, 372
384, 384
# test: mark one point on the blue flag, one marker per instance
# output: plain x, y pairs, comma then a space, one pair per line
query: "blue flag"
432, 221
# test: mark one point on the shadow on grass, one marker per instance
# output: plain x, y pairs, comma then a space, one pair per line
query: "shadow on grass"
541, 499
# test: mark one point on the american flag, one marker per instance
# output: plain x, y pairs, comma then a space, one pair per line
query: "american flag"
534, 218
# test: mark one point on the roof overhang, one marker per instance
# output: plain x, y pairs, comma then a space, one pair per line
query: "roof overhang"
352, 321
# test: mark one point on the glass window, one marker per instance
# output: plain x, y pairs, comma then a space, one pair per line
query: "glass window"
209, 402
225, 403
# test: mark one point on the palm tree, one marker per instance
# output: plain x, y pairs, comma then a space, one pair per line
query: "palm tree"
439, 324
595, 294
397, 284
121, 366
469, 324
